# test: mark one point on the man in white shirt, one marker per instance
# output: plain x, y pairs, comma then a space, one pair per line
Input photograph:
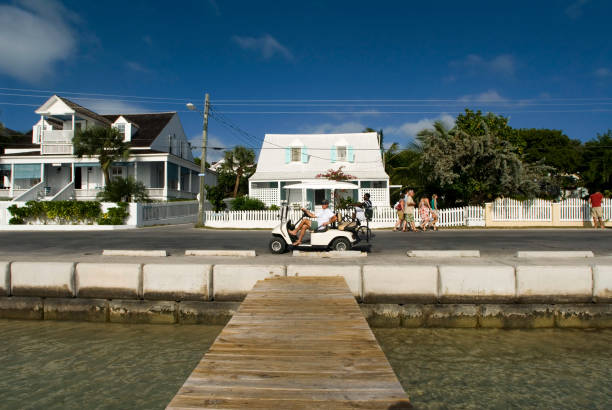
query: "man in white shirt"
323, 218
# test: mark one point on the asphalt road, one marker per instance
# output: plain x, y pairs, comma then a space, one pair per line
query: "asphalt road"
176, 239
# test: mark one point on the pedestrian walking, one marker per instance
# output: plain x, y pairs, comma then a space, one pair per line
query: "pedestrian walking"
409, 206
424, 209
399, 209
596, 210
434, 211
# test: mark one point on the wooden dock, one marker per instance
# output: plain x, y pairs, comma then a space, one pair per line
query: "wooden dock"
294, 343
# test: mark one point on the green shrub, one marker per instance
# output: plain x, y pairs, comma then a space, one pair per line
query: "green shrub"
115, 216
273, 208
245, 203
215, 195
16, 221
124, 190
61, 212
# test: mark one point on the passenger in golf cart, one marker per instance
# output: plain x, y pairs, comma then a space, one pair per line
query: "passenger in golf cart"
324, 218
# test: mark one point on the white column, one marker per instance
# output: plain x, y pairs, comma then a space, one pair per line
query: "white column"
278, 183
42, 172
179, 177
190, 178
73, 123
11, 190
72, 172
166, 179
135, 171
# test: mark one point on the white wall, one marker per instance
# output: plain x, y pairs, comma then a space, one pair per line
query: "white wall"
173, 128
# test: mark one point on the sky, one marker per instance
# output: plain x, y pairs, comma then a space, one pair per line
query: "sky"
312, 66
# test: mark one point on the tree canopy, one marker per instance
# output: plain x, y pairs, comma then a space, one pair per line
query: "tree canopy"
241, 162
104, 142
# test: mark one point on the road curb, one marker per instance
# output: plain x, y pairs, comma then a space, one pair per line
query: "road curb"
444, 253
222, 252
126, 252
555, 254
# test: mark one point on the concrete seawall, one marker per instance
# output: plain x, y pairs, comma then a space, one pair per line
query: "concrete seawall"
408, 295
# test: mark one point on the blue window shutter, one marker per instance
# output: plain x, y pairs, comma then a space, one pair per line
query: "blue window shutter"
304, 155
310, 197
333, 154
351, 154
287, 155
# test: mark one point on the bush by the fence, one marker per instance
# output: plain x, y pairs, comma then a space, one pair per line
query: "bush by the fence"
245, 203
115, 216
61, 212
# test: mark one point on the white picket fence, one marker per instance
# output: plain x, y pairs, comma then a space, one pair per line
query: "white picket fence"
578, 210
383, 218
536, 210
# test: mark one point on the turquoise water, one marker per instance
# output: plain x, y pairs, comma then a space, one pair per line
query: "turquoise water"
77, 365
501, 369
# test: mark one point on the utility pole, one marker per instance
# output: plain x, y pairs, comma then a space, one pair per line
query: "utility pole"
201, 219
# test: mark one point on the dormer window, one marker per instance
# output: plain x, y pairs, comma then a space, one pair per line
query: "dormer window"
296, 154
121, 129
341, 153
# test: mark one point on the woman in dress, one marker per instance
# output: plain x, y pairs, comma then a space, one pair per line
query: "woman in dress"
424, 209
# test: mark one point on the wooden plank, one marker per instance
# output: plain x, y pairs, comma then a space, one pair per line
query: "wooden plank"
297, 343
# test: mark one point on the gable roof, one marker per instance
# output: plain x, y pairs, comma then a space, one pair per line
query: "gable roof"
272, 165
76, 107
149, 126
15, 139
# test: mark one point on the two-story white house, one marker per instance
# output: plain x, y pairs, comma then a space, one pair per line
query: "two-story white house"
293, 158
45, 167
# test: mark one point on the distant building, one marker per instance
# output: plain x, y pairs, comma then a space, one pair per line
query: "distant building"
292, 158
44, 167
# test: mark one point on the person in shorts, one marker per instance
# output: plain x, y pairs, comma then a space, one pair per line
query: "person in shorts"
401, 222
434, 211
596, 210
323, 217
409, 206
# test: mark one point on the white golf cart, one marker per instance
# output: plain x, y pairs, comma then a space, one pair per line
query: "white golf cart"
330, 238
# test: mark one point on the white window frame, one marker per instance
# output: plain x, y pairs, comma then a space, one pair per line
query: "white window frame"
296, 154
344, 150
122, 129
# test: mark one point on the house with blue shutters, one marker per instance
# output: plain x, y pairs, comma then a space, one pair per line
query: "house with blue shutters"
293, 158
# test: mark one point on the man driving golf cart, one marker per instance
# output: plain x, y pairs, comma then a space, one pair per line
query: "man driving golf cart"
324, 217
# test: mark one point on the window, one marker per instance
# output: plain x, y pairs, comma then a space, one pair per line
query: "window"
373, 184
296, 154
116, 172
121, 129
340, 153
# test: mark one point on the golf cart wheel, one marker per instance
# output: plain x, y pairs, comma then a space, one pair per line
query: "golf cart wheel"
341, 244
277, 245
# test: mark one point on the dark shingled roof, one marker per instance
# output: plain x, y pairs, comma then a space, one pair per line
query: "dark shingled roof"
84, 111
149, 126
14, 139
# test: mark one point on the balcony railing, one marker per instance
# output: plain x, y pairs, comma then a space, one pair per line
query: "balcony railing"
57, 137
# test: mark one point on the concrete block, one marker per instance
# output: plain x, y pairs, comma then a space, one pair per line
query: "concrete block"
221, 252
584, 316
142, 311
108, 280
412, 316
88, 310
459, 253
44, 279
515, 316
22, 308
400, 284
233, 282
206, 313
382, 315
130, 252
176, 282
554, 284
555, 254
602, 283
5, 279
471, 283
351, 273
451, 315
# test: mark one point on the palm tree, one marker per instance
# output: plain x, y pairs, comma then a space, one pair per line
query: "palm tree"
240, 161
104, 142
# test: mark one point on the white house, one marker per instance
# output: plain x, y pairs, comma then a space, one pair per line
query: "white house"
292, 158
45, 167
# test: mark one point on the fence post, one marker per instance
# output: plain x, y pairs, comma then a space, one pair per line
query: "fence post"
488, 213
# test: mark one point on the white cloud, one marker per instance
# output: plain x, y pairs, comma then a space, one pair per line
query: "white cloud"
490, 96
329, 128
110, 106
34, 36
211, 154
603, 72
266, 45
132, 65
503, 64
574, 10
411, 129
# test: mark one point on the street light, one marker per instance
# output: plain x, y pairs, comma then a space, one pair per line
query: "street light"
201, 220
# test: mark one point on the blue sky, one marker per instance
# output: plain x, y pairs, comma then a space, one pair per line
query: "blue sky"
392, 65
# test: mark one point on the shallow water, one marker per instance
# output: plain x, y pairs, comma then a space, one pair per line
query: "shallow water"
477, 368
69, 365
